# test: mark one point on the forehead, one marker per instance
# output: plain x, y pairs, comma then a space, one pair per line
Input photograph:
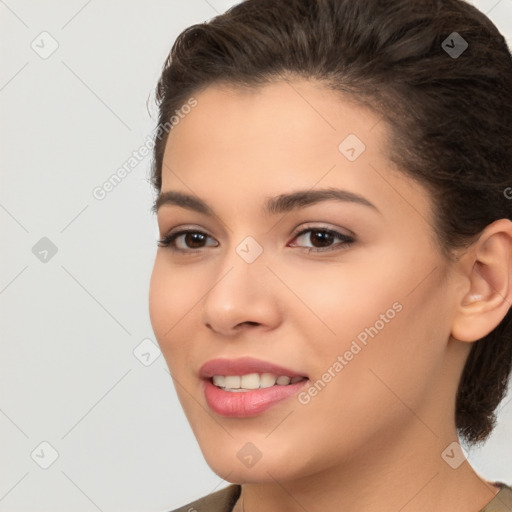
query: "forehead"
239, 146
280, 126
280, 107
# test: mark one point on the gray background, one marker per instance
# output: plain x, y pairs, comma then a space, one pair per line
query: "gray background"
71, 373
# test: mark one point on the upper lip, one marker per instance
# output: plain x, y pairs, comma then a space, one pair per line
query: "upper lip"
243, 366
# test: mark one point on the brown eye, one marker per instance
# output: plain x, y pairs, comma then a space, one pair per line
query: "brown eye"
192, 239
322, 239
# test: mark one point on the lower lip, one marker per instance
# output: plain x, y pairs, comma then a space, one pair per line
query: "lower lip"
247, 403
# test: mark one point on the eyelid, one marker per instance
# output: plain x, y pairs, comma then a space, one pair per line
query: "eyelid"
165, 240
346, 240
168, 240
297, 231
318, 226
184, 227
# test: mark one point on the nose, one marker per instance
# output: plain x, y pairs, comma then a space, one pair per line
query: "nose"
243, 296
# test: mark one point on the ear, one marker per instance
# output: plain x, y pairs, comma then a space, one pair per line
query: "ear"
487, 294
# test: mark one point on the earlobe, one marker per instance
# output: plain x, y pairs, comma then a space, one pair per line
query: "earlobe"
487, 267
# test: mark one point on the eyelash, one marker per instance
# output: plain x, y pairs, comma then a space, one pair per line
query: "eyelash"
347, 241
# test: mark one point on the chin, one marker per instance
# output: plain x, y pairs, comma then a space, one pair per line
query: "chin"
240, 463
235, 472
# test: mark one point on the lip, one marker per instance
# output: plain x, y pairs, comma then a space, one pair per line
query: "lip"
243, 366
246, 403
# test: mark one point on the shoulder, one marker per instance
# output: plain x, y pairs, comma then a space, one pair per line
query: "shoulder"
502, 502
219, 501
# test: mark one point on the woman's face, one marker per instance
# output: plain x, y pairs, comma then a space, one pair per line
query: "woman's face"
365, 314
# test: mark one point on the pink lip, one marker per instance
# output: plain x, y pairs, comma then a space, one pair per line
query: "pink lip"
243, 366
246, 403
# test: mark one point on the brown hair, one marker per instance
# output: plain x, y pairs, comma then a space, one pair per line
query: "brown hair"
450, 115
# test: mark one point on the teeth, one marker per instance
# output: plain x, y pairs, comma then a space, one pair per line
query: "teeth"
267, 380
250, 381
232, 382
218, 380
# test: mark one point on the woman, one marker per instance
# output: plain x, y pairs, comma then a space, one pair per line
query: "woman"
333, 284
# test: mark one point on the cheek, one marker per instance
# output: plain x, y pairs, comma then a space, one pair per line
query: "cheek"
158, 300
393, 359
341, 302
381, 326
171, 297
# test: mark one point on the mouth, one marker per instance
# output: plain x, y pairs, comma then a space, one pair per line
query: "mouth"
247, 387
251, 381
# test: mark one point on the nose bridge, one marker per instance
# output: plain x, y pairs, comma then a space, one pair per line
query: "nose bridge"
240, 292
242, 270
246, 259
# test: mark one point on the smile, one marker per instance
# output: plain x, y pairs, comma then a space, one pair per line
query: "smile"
253, 381
246, 386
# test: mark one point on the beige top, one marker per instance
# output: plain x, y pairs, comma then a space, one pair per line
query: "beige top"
225, 499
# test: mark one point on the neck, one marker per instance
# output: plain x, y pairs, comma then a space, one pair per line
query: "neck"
406, 473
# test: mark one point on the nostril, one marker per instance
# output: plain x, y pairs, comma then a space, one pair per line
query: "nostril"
247, 323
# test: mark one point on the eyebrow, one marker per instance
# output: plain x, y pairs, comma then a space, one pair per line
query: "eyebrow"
272, 206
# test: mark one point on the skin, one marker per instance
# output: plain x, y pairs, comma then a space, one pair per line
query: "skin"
372, 439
